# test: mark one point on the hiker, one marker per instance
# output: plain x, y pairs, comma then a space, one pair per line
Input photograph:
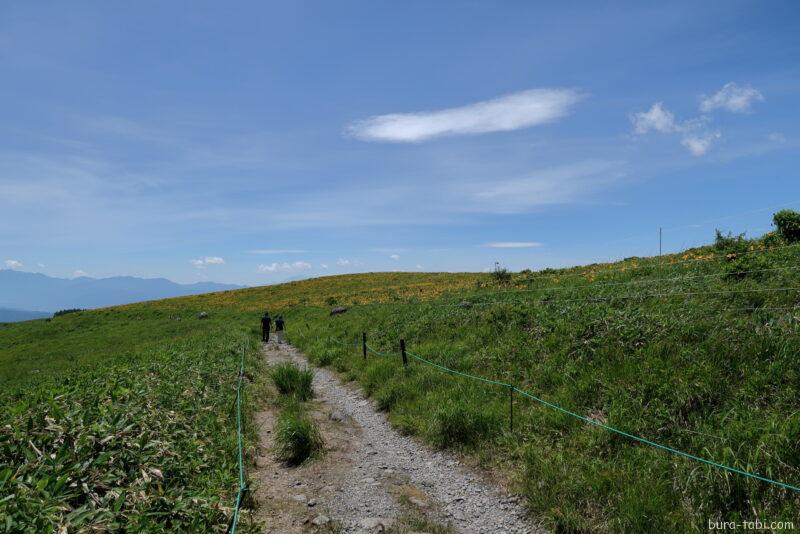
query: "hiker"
279, 329
266, 321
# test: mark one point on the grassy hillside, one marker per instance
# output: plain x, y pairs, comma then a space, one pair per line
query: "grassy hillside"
695, 351
121, 419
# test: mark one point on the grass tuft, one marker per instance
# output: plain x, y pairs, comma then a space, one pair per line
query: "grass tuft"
461, 424
293, 381
297, 436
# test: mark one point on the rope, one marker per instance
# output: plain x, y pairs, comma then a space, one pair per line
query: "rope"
242, 483
453, 371
378, 353
607, 427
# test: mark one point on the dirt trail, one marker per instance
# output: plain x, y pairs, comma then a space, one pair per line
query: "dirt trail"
371, 478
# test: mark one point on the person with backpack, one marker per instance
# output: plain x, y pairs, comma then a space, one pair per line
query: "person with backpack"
279, 326
266, 322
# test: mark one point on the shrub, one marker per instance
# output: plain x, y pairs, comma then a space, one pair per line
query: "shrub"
457, 423
65, 312
330, 301
788, 224
297, 437
502, 276
773, 239
291, 380
730, 243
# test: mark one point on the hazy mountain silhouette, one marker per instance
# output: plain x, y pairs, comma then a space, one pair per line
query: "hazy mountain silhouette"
38, 292
12, 316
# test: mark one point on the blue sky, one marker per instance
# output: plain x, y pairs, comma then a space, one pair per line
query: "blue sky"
256, 142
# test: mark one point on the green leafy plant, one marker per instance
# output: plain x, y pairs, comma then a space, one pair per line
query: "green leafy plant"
788, 224
458, 423
297, 437
293, 381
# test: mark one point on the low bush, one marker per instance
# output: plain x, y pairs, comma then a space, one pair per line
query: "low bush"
732, 244
502, 276
297, 437
292, 380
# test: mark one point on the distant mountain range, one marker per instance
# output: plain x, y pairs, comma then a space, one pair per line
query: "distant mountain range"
22, 292
13, 316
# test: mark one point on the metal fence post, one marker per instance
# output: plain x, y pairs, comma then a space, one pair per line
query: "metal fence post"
511, 407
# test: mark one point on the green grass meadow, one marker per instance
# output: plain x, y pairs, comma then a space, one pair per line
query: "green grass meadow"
121, 418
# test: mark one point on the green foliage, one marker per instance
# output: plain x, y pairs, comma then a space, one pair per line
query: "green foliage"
729, 243
459, 423
501, 276
684, 350
65, 312
293, 381
750, 266
788, 224
145, 443
297, 437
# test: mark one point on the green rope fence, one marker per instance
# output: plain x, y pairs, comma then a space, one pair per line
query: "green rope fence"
242, 483
585, 419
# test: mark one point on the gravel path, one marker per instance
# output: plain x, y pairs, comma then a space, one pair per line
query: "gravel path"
446, 489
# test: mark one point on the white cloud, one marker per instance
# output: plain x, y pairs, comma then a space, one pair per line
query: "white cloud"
267, 251
208, 260
78, 273
419, 266
395, 257
324, 265
694, 132
701, 143
13, 264
513, 244
342, 262
731, 97
657, 118
510, 112
285, 266
41, 265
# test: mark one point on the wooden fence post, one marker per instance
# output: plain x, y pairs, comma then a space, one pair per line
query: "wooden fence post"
403, 352
364, 343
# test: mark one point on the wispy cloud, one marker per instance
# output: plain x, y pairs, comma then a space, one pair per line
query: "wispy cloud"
270, 251
13, 264
556, 185
510, 112
657, 118
343, 262
208, 260
513, 244
284, 266
395, 257
731, 97
78, 273
701, 143
694, 132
